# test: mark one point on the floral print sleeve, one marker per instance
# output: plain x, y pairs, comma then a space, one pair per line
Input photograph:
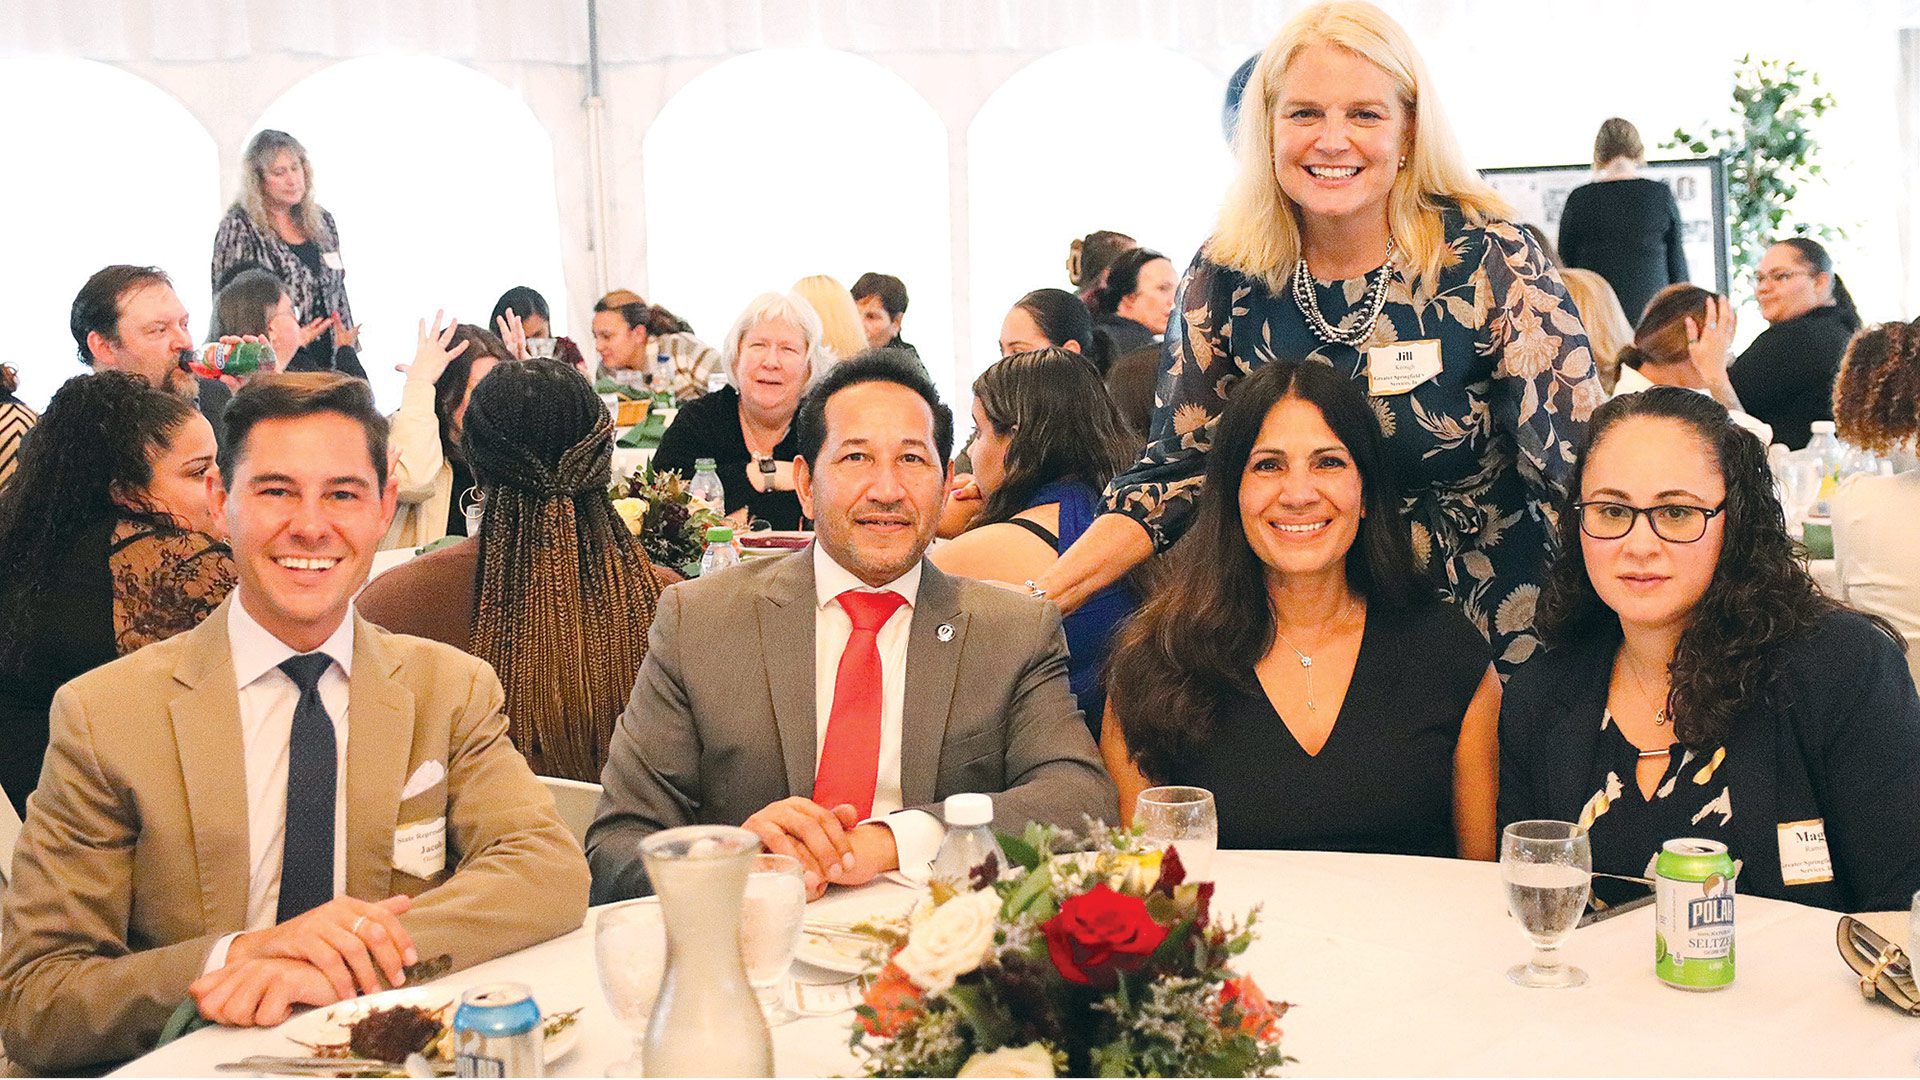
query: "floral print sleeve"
1197, 373
165, 581
1544, 386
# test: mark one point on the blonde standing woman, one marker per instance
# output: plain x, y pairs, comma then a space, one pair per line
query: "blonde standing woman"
1354, 235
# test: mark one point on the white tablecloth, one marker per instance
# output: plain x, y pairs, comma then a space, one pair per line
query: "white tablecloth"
1395, 966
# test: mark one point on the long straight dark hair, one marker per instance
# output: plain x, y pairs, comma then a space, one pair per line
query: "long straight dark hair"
1212, 618
1063, 423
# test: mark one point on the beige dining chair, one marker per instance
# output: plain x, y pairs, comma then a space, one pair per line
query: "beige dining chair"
577, 801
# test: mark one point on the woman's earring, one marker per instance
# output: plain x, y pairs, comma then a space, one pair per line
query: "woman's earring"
1403, 161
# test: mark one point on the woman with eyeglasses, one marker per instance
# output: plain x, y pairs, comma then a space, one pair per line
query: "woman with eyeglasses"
1786, 376
1699, 684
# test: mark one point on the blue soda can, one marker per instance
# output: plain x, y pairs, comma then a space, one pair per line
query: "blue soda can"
497, 1032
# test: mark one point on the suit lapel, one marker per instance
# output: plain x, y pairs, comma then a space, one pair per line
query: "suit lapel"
379, 752
933, 665
786, 615
206, 730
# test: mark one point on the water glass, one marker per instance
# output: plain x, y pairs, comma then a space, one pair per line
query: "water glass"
630, 949
1182, 818
1548, 868
771, 917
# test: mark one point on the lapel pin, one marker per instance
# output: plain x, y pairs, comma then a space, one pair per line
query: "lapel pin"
944, 631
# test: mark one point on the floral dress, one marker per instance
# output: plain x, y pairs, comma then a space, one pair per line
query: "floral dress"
1482, 452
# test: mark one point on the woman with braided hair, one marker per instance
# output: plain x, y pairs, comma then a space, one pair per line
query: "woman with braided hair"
1876, 406
555, 593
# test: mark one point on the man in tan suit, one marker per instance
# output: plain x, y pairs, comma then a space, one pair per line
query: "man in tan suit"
286, 805
829, 700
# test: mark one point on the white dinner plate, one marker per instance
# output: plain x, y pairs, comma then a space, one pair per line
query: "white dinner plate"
835, 953
329, 1024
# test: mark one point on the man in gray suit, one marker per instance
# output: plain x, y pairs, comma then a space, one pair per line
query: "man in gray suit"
831, 699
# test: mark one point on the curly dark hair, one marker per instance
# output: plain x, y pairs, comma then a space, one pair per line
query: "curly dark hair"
1064, 424
450, 389
1212, 618
1761, 594
1876, 399
90, 457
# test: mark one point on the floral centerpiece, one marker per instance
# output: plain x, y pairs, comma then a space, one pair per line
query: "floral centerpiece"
671, 524
1103, 963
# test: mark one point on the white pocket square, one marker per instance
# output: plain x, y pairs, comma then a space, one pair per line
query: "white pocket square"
428, 774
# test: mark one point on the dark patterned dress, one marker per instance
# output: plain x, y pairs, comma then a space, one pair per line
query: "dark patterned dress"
317, 284
125, 583
1482, 452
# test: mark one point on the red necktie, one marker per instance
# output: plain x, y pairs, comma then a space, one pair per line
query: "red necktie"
850, 761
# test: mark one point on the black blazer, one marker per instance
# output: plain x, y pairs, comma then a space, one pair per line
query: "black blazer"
1840, 741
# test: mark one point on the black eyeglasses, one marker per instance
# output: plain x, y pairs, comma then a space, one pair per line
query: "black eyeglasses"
1670, 521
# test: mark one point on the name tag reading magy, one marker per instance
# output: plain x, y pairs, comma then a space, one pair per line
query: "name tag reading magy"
1401, 366
420, 848
1803, 852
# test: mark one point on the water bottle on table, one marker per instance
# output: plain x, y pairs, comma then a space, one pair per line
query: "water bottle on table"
969, 842
706, 485
720, 552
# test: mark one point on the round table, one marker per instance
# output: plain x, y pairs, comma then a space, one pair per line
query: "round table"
1395, 965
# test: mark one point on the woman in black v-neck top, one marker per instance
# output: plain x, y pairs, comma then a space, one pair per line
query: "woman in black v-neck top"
1295, 619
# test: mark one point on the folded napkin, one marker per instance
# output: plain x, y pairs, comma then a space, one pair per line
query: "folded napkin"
1885, 970
631, 393
646, 434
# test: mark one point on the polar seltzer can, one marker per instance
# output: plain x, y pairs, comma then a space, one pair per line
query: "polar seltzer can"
1693, 915
497, 1032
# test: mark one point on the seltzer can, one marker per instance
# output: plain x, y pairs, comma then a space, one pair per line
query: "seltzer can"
1693, 915
497, 1032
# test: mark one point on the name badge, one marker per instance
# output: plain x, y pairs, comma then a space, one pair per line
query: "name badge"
1803, 852
420, 848
1401, 366
331, 260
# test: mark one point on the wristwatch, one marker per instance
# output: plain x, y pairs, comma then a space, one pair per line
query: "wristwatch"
767, 466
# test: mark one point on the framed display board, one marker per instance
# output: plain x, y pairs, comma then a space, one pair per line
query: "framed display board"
1538, 192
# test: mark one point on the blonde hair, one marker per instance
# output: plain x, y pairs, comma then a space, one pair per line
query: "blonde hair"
1258, 233
1608, 330
260, 154
839, 315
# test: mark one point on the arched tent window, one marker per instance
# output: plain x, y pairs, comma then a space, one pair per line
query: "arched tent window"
107, 168
442, 183
787, 162
1123, 137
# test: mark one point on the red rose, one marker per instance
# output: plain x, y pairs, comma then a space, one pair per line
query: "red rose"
1099, 934
1258, 1016
894, 999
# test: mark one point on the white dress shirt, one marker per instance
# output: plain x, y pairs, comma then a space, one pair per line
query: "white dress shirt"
267, 699
916, 834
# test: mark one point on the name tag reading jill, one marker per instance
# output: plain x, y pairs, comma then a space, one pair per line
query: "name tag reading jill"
331, 260
1803, 852
1401, 366
420, 848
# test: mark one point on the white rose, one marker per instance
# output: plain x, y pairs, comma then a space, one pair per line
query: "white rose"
950, 940
1032, 1059
631, 511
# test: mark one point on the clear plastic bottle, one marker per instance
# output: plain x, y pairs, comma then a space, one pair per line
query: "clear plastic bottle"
720, 552
969, 841
706, 485
1832, 454
662, 377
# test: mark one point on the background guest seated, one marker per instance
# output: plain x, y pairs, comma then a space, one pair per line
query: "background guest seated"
1786, 376
432, 471
536, 319
1132, 308
1293, 661
831, 699
109, 545
255, 304
771, 353
630, 334
211, 826
842, 330
555, 593
882, 299
1699, 684
1608, 330
1088, 259
16, 419
1685, 339
1046, 441
1876, 407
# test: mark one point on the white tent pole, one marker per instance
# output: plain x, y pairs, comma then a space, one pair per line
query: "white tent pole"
596, 163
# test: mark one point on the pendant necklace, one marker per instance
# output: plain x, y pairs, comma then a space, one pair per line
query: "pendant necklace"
1374, 303
1306, 661
1633, 669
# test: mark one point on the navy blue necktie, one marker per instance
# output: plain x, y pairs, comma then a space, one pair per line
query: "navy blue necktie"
306, 859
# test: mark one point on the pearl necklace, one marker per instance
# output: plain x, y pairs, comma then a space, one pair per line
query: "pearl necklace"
1306, 661
1309, 304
